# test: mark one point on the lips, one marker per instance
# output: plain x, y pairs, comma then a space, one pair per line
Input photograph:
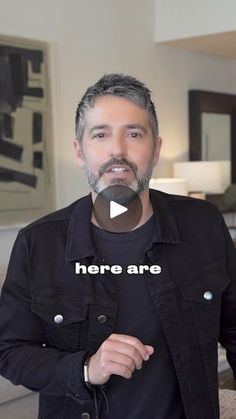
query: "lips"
117, 169
117, 166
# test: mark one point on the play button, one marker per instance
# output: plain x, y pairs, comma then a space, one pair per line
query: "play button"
117, 209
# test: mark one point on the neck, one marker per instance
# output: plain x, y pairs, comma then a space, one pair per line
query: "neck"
146, 205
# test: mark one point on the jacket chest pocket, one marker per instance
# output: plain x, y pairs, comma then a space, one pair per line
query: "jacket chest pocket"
63, 319
200, 297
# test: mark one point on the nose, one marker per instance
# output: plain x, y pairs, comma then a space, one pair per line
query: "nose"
117, 146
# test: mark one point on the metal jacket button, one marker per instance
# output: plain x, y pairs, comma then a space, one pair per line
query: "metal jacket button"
102, 318
208, 295
85, 415
58, 318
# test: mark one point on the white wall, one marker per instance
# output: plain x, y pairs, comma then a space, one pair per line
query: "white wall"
92, 37
188, 18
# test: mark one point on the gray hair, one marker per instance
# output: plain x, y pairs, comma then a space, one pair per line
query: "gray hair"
116, 85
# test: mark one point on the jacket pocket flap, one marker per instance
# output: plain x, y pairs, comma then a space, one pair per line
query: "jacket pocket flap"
58, 309
205, 288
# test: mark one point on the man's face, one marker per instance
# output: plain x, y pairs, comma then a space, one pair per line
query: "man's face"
117, 146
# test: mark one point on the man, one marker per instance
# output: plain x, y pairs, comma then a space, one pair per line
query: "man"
120, 345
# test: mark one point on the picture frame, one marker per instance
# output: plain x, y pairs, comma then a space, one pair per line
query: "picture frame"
27, 185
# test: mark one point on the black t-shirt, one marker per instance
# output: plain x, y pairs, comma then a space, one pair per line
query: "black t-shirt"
152, 392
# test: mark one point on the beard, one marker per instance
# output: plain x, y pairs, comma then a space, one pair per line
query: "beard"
138, 185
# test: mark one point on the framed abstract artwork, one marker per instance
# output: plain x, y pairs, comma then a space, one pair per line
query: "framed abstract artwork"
26, 150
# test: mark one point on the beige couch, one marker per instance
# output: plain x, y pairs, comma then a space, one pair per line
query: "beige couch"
227, 404
16, 402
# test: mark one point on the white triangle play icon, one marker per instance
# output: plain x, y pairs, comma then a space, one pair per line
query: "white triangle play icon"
116, 209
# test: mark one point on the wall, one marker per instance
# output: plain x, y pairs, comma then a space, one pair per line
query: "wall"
89, 38
188, 18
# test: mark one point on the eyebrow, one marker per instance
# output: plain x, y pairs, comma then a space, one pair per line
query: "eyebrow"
97, 127
128, 126
136, 126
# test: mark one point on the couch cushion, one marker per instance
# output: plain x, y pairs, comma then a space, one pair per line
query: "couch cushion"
9, 391
227, 404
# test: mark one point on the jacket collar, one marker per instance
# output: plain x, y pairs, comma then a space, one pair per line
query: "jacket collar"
79, 244
166, 228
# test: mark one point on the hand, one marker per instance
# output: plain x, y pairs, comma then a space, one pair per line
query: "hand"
119, 355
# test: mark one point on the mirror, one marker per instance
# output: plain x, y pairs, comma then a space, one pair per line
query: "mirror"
216, 127
212, 128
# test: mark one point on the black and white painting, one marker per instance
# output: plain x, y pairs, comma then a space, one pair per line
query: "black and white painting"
26, 180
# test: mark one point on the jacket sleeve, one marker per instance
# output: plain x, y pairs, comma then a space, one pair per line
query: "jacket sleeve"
228, 307
23, 357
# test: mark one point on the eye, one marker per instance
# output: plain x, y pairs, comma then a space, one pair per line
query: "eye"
99, 135
135, 134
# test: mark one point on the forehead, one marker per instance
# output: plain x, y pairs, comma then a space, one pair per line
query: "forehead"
113, 110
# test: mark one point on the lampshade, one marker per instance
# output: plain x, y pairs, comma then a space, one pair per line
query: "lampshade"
201, 176
225, 173
170, 185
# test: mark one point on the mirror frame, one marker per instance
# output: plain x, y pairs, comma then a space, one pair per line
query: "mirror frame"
212, 102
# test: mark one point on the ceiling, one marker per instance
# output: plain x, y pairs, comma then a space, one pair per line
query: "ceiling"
222, 44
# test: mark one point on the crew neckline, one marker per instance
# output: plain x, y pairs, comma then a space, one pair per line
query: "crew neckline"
124, 236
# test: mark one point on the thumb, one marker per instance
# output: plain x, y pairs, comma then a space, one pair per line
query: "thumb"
150, 349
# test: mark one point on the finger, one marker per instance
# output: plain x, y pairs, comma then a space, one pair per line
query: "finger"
115, 346
150, 349
119, 358
117, 369
131, 341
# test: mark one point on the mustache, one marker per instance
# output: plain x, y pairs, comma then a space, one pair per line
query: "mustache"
115, 160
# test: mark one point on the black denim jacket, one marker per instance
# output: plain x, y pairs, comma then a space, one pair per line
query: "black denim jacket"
49, 316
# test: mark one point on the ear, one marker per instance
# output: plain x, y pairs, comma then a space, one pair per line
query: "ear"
157, 150
78, 152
